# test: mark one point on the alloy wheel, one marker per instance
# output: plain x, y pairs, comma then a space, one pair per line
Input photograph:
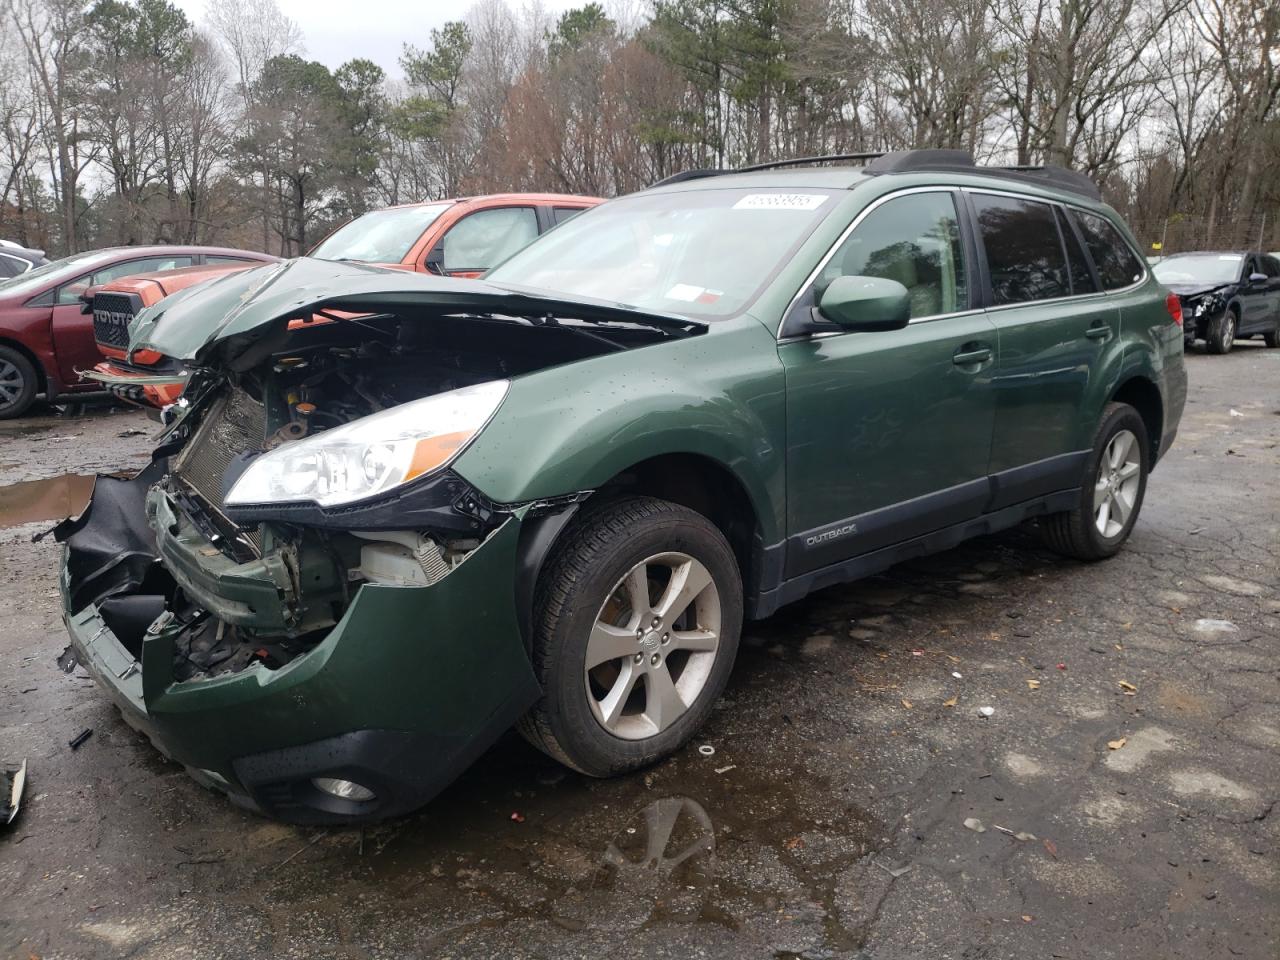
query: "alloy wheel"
652, 646
12, 383
1228, 330
1116, 489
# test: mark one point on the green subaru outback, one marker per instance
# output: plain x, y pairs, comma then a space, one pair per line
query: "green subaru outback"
396, 515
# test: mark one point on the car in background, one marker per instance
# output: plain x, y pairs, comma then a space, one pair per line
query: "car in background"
1225, 295
455, 238
550, 497
16, 259
46, 339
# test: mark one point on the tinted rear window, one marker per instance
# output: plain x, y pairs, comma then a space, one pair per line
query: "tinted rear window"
1024, 252
1081, 276
1118, 266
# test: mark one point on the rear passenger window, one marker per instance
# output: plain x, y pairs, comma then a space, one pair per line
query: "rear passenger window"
1081, 276
1118, 266
561, 214
1024, 252
914, 239
1271, 267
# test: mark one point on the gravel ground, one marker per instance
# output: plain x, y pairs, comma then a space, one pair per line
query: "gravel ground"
837, 815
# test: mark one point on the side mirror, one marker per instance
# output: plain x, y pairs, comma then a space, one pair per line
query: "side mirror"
435, 260
1257, 279
866, 303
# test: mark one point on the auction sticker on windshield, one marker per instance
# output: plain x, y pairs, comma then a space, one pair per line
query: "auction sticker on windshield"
780, 201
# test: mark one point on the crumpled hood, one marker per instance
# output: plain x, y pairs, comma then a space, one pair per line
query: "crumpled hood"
234, 310
1191, 291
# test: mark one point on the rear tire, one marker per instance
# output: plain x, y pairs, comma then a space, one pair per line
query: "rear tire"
1111, 490
652, 686
1272, 337
1222, 332
18, 383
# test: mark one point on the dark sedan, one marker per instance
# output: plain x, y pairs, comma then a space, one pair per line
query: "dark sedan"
46, 339
1225, 296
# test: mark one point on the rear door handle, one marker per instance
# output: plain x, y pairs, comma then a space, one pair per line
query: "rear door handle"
966, 358
1100, 331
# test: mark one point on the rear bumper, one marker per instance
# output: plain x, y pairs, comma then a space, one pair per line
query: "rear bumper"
400, 696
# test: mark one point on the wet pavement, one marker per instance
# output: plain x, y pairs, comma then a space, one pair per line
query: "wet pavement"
1120, 798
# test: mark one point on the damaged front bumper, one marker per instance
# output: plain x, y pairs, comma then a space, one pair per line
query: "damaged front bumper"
399, 697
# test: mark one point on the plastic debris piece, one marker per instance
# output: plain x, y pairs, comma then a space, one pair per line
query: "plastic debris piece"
952, 702
1128, 687
1062, 666
1235, 413
78, 740
917, 653
956, 674
976, 825
1027, 918
732, 766
13, 780
517, 816
894, 872
1117, 744
1033, 684
987, 711
1216, 626
707, 750
1023, 835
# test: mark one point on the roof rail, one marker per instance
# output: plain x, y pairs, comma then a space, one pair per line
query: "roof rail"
684, 175
804, 161
921, 161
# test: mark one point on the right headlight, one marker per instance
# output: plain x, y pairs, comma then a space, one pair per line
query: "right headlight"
369, 456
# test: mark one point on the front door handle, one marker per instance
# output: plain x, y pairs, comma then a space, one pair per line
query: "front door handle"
1100, 331
965, 358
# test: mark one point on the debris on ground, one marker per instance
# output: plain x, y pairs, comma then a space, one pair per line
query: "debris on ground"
1051, 847
517, 816
1128, 688
952, 702
976, 825
1062, 666
1033, 684
78, 740
987, 711
1216, 626
707, 750
131, 432
1017, 835
1117, 744
13, 779
907, 704
894, 872
732, 766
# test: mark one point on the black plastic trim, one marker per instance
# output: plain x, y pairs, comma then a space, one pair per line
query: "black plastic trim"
870, 563
537, 536
1031, 480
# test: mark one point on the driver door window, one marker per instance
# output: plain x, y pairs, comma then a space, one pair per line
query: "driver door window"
70, 292
486, 238
915, 240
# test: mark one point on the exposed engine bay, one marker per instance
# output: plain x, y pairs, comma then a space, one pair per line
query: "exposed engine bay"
241, 585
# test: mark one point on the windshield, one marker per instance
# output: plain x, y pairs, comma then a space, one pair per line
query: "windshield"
703, 253
1201, 268
54, 272
383, 236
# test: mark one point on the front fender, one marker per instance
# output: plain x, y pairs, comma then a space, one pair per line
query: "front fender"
574, 427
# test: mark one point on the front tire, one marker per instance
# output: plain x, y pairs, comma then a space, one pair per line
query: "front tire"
1222, 332
1111, 490
637, 618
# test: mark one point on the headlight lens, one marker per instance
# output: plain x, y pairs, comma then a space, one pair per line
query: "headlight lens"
371, 455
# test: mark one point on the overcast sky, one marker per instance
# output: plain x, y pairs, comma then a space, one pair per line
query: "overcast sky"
337, 30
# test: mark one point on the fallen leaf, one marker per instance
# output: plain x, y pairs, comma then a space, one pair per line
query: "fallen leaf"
794, 843
1125, 684
1027, 918
907, 704
952, 702
1052, 848
1033, 684
976, 825
1117, 744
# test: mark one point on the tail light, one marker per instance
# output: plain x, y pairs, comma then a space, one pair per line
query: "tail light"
1174, 306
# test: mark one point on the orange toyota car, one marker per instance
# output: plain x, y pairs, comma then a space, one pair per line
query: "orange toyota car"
455, 238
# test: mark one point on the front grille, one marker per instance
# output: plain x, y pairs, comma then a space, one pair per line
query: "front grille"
236, 423
112, 313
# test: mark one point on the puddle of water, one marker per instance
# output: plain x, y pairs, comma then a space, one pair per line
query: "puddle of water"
678, 844
51, 499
